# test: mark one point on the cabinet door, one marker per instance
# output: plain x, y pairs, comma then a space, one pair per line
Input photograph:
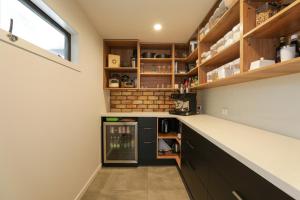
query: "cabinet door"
249, 184
243, 180
188, 168
147, 140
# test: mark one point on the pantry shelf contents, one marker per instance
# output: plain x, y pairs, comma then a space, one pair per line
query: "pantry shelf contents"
218, 24
234, 37
227, 54
275, 70
285, 22
156, 74
156, 60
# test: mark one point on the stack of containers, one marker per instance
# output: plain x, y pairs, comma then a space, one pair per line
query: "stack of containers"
227, 70
219, 12
229, 38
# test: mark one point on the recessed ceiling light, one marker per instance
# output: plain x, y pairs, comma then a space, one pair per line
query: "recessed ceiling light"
157, 27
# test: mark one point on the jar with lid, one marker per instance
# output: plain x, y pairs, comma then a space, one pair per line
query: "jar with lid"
294, 42
281, 44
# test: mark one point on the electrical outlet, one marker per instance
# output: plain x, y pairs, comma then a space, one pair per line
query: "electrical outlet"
225, 111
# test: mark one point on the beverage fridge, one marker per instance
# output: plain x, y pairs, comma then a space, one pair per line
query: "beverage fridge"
120, 142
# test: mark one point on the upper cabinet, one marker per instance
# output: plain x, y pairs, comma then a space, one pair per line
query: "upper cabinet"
238, 41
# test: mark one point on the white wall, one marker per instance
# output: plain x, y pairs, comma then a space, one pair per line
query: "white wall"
49, 117
270, 104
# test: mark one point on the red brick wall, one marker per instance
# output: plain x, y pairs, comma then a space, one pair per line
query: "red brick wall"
140, 101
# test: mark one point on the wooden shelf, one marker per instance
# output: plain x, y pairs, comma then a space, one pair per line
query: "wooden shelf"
278, 69
156, 74
230, 53
161, 89
167, 135
230, 18
170, 156
156, 60
120, 89
192, 72
193, 56
167, 156
284, 23
121, 69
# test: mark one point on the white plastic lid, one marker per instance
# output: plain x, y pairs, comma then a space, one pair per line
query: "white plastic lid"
294, 36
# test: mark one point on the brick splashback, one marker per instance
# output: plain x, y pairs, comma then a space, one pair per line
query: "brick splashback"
140, 101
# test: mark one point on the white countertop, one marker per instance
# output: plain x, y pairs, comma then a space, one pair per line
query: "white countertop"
273, 156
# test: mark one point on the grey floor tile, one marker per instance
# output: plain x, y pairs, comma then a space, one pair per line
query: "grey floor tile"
168, 194
141, 183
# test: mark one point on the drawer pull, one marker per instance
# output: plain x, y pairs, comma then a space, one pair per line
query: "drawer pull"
190, 145
148, 142
236, 195
148, 128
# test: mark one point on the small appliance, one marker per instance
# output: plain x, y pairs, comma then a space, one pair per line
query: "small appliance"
114, 83
185, 104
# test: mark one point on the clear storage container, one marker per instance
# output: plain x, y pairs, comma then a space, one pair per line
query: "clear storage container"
228, 39
201, 33
236, 66
236, 33
220, 44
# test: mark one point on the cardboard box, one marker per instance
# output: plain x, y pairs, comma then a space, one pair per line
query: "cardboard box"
113, 60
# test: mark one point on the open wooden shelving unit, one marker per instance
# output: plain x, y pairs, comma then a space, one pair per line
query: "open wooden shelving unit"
166, 78
285, 22
168, 136
255, 42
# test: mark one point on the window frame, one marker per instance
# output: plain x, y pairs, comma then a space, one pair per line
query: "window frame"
34, 8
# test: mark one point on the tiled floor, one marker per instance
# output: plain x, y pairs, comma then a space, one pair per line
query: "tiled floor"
142, 183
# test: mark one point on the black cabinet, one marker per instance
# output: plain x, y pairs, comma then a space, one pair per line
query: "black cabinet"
212, 174
147, 132
147, 140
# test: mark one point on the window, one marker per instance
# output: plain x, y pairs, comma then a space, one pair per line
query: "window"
35, 26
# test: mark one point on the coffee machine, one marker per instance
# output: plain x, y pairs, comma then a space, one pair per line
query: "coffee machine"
185, 104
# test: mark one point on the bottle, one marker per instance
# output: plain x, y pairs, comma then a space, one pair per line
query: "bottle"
294, 41
282, 43
181, 89
111, 144
132, 141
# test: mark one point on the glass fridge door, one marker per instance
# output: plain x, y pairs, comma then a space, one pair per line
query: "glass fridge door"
120, 142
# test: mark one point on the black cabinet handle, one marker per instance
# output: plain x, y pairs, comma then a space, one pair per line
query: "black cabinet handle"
190, 145
148, 142
236, 195
148, 128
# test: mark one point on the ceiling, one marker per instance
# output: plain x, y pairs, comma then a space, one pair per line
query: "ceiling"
134, 19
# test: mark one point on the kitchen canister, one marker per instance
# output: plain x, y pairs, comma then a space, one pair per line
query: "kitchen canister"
287, 52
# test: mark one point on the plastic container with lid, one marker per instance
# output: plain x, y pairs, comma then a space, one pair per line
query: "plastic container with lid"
221, 44
230, 3
201, 33
221, 72
228, 39
236, 33
206, 29
222, 7
236, 66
